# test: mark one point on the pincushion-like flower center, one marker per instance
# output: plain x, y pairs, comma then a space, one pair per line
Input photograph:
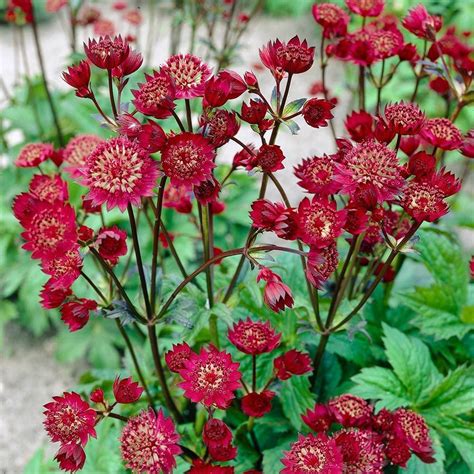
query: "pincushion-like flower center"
106, 48
320, 222
293, 53
185, 160
48, 229
329, 13
210, 376
186, 71
80, 148
154, 91
254, 336
47, 189
66, 423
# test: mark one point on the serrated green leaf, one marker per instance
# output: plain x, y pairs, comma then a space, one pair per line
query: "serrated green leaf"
296, 398
272, 458
293, 107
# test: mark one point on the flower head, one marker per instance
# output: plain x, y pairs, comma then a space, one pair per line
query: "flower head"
176, 357
216, 434
107, 52
275, 217
69, 419
405, 118
386, 43
48, 188
349, 410
77, 151
119, 172
75, 314
207, 191
269, 158
33, 154
257, 404
179, 198
360, 125
149, 443
79, 77
371, 163
220, 126
423, 25
210, 377
223, 453
295, 56
332, 18
53, 298
276, 295
156, 95
126, 390
151, 137
319, 221
254, 337
254, 112
319, 418
321, 264
316, 174
224, 86
189, 74
111, 243
129, 66
313, 455
71, 457
397, 451
64, 269
442, 133
292, 362
366, 8
317, 112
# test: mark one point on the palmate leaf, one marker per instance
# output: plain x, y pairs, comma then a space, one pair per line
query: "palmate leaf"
296, 398
272, 457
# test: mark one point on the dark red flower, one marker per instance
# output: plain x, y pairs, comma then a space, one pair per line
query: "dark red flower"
291, 363
321, 264
332, 18
467, 147
201, 467
225, 86
360, 125
220, 126
107, 52
421, 164
409, 144
439, 85
254, 112
131, 64
405, 118
397, 451
111, 243
317, 112
78, 77
97, 396
269, 159
275, 217
52, 297
276, 295
216, 434
316, 174
207, 191
366, 8
179, 198
151, 137
129, 126
257, 404
71, 457
223, 453
295, 56
349, 410
75, 314
254, 337
423, 25
319, 418
408, 52
441, 133
126, 390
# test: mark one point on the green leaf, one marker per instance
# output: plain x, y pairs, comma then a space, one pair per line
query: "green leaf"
293, 107
296, 398
412, 363
272, 458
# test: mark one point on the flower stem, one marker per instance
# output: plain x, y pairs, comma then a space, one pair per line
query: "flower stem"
189, 116
111, 92
254, 372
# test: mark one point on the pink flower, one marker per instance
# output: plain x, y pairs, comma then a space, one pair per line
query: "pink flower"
53, 6
64, 269
77, 151
111, 243
176, 357
275, 217
118, 173
69, 419
366, 8
151, 137
33, 154
75, 314
276, 295
126, 390
149, 443
216, 434
441, 133
254, 337
210, 377
292, 362
332, 18
179, 198
349, 410
423, 25
257, 404
48, 188
71, 457
313, 454
321, 264
107, 52
319, 418
316, 175
317, 112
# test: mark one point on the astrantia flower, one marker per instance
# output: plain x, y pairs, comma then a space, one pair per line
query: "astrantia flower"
107, 52
349, 410
223, 453
151, 137
397, 451
53, 298
220, 126
316, 174
48, 188
412, 428
321, 264
224, 86
201, 467
104, 27
129, 66
313, 455
71, 457
119, 172
371, 163
269, 158
33, 154
64, 269
423, 201
295, 56
257, 404
360, 125
176, 357
421, 164
276, 295
419, 22
155, 96
207, 191
362, 451
467, 147
319, 418
51, 230
254, 112
406, 118
187, 159
126, 390
386, 43
442, 133
216, 433
189, 74
292, 362
317, 112
111, 243
149, 443
332, 18
254, 337
76, 313
275, 217
210, 377
77, 151
69, 419
270, 60
78, 77
319, 221
179, 198
366, 8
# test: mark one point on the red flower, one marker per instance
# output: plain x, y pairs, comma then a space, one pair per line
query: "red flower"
360, 125
126, 390
151, 137
316, 175
132, 64
223, 453
243, 157
317, 112
220, 127
149, 443
103, 27
386, 43
313, 454
64, 269
362, 451
421, 164
48, 188
254, 337
405, 118
276, 294
51, 230
275, 217
111, 243
75, 314
71, 457
467, 147
321, 264
291, 363
268, 56
176, 357
79, 77
371, 163
119, 172
156, 95
409, 144
179, 198
269, 158
397, 451
423, 25
383, 132
107, 52
216, 434
33, 154
319, 221
295, 56
254, 112
22, 7
201, 467
129, 126
332, 18
366, 8
257, 404
319, 418
69, 419
408, 52
439, 85
442, 133
207, 191
225, 86
187, 159
77, 151
210, 377
349, 410
97, 396
189, 74
53, 298
412, 428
